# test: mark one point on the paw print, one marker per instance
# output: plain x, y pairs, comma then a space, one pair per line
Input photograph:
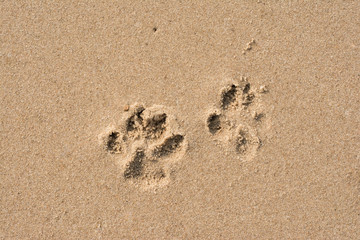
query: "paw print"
146, 143
238, 118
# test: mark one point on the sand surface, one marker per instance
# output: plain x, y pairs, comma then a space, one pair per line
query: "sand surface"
180, 120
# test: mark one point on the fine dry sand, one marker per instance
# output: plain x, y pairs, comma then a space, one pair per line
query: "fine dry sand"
180, 119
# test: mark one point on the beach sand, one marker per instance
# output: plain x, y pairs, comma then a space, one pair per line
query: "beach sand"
180, 120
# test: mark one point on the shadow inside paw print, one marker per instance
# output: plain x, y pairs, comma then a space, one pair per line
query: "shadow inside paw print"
147, 141
236, 94
214, 122
169, 146
135, 167
229, 95
112, 144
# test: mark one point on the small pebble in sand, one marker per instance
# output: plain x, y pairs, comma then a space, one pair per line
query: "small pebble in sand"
126, 108
249, 46
263, 89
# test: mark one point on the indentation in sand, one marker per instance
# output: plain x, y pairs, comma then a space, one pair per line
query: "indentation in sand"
237, 118
146, 143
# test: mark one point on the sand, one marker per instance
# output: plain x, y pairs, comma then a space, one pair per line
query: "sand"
180, 120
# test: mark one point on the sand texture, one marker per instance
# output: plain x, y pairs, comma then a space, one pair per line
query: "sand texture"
180, 119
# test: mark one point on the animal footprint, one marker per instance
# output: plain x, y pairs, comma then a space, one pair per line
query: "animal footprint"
146, 143
237, 119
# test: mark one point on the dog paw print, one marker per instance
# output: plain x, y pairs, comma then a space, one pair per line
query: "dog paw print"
145, 144
238, 118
